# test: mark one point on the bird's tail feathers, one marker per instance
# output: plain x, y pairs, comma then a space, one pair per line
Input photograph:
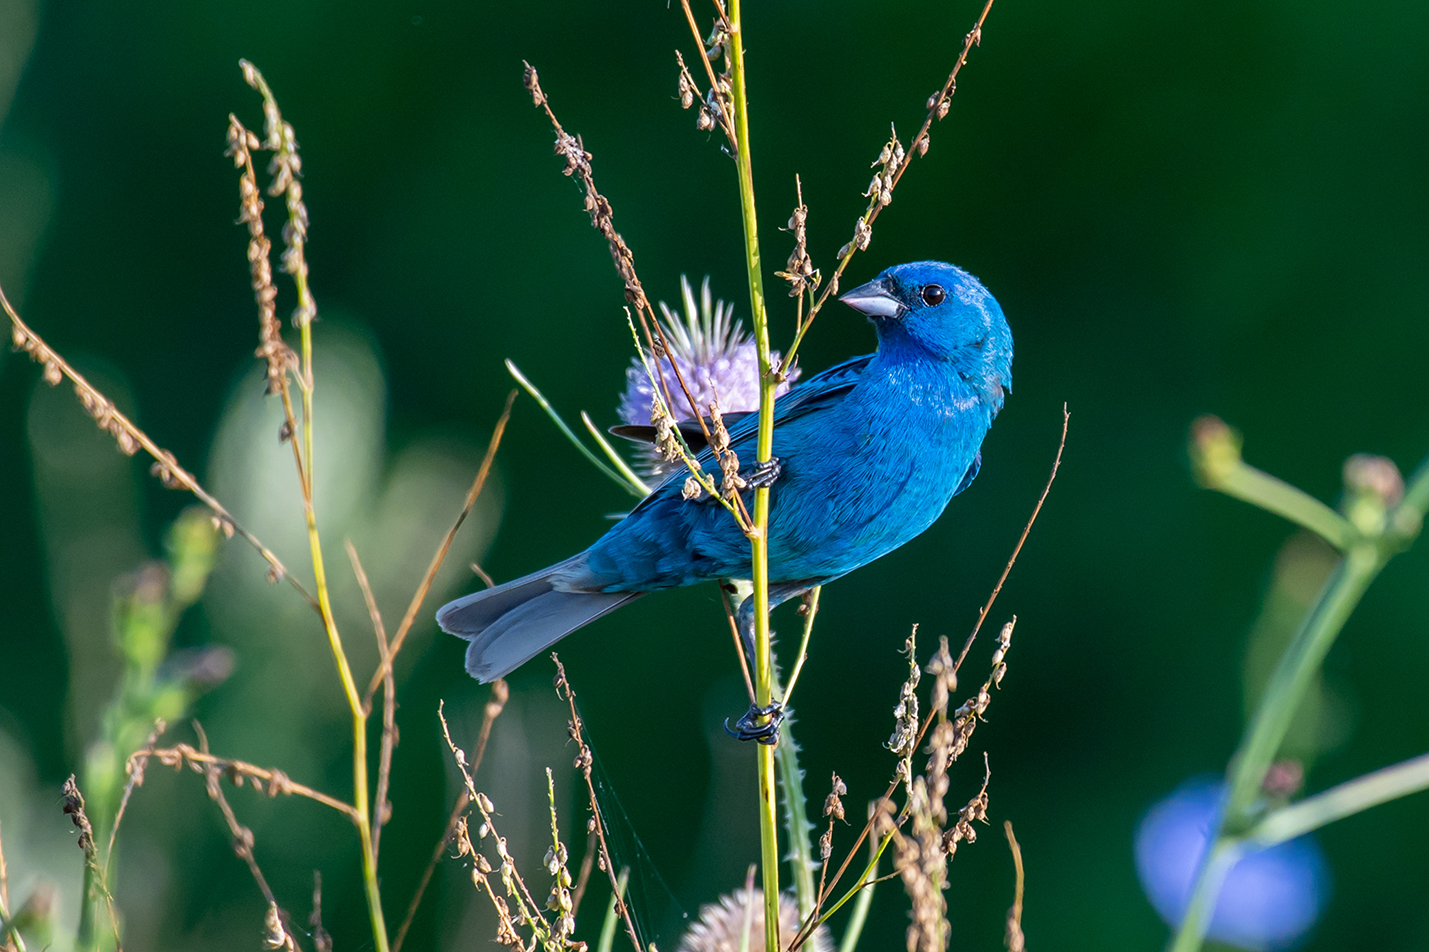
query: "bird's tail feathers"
512, 623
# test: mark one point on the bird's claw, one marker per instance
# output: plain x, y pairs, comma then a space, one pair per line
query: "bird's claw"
764, 475
749, 728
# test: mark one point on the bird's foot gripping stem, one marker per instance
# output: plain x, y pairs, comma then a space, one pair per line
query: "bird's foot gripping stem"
765, 474
749, 727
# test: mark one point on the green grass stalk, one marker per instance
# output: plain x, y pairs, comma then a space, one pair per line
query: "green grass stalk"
607, 927
344, 670
759, 531
859, 917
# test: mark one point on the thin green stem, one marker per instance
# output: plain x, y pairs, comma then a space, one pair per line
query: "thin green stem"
1197, 921
1272, 719
811, 611
1267, 492
607, 927
796, 820
1409, 515
1216, 452
759, 531
344, 670
1347, 799
1292, 678
6, 928
859, 916
633, 488
865, 882
621, 466
86, 937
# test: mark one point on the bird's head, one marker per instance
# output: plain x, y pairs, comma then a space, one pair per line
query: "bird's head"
939, 310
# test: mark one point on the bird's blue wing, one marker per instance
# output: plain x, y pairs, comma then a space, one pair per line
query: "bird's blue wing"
818, 391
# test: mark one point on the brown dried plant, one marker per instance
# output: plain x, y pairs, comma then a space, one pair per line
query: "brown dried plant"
892, 161
584, 762
500, 693
95, 882
947, 744
283, 368
550, 934
668, 438
130, 439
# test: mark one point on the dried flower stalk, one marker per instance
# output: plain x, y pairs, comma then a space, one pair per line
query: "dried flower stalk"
550, 936
271, 783
94, 879
578, 165
382, 810
420, 595
500, 693
584, 762
131, 439
1015, 940
892, 162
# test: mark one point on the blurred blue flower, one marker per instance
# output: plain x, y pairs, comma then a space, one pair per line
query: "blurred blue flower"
1269, 900
717, 359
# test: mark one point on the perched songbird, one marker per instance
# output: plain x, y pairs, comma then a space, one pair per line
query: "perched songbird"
867, 455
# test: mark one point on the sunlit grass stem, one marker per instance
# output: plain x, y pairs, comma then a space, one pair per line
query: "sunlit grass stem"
759, 531
349, 687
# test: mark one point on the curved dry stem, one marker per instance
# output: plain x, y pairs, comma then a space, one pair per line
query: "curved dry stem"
425, 585
271, 782
131, 439
500, 693
937, 106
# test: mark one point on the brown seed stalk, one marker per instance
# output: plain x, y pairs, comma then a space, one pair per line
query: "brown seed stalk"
131, 439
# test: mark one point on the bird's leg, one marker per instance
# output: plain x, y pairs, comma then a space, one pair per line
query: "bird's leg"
764, 475
759, 476
749, 728
761, 723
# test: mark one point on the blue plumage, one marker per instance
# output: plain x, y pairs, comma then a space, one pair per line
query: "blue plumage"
870, 453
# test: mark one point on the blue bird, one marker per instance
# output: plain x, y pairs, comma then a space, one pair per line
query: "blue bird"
867, 455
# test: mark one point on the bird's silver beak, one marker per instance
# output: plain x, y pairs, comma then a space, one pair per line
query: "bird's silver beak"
873, 299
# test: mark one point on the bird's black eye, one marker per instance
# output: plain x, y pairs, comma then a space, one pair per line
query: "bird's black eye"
933, 294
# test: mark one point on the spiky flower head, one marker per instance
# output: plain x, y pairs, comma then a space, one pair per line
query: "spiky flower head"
721, 925
717, 360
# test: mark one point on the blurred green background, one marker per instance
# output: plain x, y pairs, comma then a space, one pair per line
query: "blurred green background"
1183, 207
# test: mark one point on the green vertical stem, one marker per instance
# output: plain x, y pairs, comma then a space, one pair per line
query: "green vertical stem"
349, 686
759, 534
861, 905
1293, 675
1283, 695
796, 820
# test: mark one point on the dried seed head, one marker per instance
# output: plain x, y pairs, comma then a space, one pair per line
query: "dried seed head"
275, 933
532, 82
833, 805
689, 92
862, 234
905, 714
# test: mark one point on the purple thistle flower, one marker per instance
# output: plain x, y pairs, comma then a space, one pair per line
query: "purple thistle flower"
1270, 898
717, 360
